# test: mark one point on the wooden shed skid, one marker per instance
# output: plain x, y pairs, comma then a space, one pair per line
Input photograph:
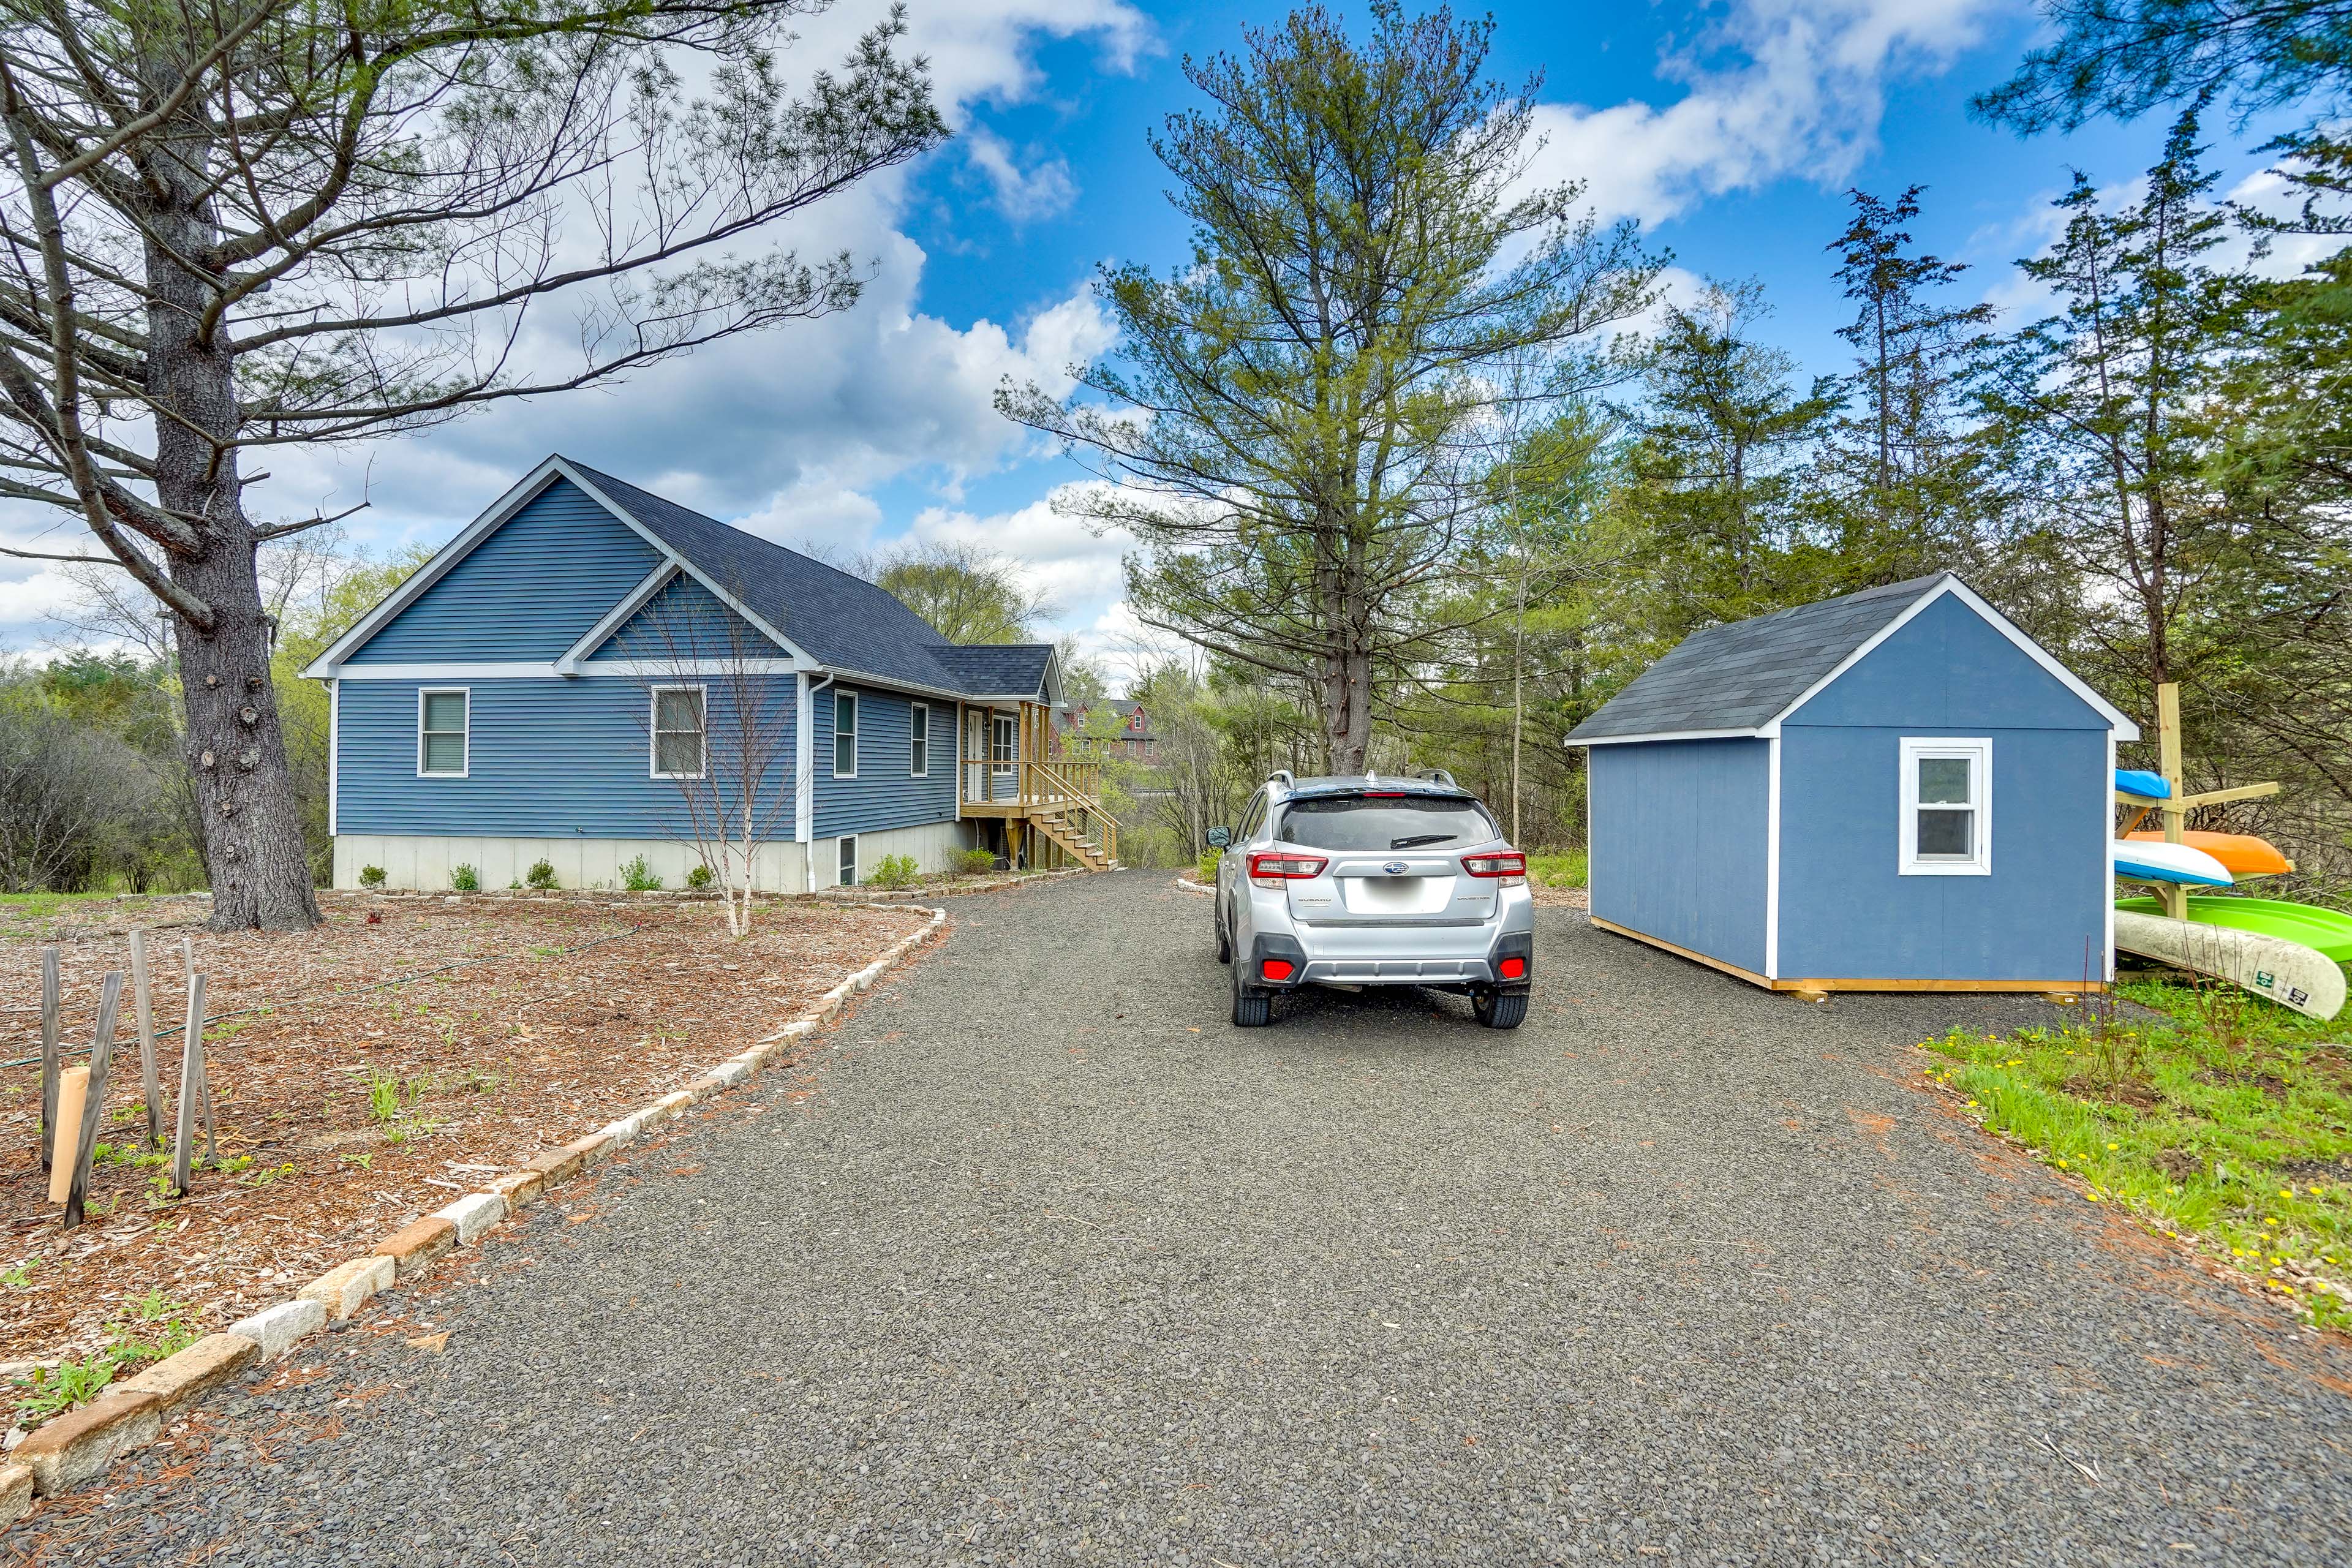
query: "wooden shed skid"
2046, 987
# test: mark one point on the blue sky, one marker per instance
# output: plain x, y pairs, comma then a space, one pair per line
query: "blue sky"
1730, 130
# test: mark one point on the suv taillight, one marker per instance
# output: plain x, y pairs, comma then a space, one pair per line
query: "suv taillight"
1271, 869
1510, 866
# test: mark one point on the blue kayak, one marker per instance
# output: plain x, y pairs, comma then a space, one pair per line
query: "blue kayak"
2139, 781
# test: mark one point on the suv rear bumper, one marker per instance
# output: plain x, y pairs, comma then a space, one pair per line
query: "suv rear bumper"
1406, 962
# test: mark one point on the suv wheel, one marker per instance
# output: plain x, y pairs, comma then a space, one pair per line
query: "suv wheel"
1499, 1009
1224, 942
1252, 1008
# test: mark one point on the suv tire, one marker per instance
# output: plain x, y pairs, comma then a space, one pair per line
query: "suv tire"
1499, 1009
1252, 1008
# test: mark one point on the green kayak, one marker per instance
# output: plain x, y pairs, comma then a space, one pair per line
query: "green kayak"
2325, 930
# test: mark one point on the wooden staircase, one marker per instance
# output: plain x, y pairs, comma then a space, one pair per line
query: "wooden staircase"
1082, 829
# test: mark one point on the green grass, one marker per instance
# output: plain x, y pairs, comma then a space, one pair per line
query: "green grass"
1567, 869
155, 1327
2226, 1124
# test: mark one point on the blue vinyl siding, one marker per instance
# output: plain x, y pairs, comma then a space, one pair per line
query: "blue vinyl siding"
882, 795
1947, 669
1678, 844
1846, 913
686, 620
527, 592
548, 758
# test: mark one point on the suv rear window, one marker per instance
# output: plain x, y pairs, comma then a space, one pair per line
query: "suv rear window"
1354, 822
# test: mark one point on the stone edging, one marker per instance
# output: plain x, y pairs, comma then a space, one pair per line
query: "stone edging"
82, 1443
950, 891
1191, 885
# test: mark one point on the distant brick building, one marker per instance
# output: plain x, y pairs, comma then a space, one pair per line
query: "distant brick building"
1134, 742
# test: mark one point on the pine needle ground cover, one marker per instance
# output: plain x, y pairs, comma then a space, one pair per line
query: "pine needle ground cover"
2211, 1118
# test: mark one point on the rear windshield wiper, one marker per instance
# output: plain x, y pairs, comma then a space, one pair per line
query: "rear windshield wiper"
1420, 838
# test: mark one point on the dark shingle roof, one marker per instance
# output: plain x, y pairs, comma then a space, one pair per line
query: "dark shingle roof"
1741, 676
997, 669
839, 619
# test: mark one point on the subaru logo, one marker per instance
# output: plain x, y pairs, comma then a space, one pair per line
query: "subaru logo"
1394, 868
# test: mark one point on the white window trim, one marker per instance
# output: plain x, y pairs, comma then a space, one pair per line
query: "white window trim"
468, 693
849, 842
653, 733
1978, 751
925, 710
855, 716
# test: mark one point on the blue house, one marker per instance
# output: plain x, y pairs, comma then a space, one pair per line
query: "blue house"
588, 673
1895, 790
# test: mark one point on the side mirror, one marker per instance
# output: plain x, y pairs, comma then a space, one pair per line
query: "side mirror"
1220, 837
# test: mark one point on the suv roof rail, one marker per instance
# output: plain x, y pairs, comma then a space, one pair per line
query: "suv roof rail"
1439, 775
1285, 775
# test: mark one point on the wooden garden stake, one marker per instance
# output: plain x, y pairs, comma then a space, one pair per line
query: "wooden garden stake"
140, 1002
73, 1084
49, 1054
203, 1079
93, 1109
192, 1078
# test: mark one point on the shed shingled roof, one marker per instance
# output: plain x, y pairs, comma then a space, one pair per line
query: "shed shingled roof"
1743, 675
839, 619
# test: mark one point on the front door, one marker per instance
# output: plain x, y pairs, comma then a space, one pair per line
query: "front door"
975, 753
1004, 755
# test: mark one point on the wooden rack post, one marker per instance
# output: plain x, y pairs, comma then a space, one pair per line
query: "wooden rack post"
192, 1088
2171, 812
142, 1005
49, 1054
93, 1109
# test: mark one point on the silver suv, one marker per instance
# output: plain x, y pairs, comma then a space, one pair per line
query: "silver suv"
1349, 883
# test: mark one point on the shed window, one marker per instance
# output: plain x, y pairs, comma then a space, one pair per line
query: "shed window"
919, 740
1947, 805
678, 732
844, 735
441, 734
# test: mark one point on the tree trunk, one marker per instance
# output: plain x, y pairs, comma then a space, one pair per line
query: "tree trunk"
253, 851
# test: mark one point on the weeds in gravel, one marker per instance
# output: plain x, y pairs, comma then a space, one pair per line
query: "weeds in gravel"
2226, 1124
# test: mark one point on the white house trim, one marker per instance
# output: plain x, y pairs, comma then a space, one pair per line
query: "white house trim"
2107, 873
803, 763
635, 599
2117, 723
654, 731
1771, 859
656, 669
422, 693
1978, 751
334, 747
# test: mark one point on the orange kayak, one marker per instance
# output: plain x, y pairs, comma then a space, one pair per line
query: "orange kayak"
2242, 854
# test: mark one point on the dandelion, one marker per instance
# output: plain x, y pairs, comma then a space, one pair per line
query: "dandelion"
2284, 1192
2115, 1145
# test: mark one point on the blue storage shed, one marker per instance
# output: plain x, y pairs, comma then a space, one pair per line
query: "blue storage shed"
1894, 791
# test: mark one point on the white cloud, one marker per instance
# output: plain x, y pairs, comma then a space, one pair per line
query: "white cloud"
1803, 93
1022, 194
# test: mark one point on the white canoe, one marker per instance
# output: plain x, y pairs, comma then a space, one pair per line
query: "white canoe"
2286, 973
2153, 860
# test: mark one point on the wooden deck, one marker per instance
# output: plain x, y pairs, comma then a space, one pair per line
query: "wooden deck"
1051, 806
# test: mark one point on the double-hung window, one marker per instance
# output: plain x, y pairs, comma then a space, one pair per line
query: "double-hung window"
844, 871
442, 729
1947, 805
680, 733
844, 734
919, 740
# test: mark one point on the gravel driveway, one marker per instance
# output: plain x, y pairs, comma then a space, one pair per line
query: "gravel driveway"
1055, 1266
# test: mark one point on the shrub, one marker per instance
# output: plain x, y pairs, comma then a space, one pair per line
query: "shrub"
640, 877
542, 875
371, 875
1207, 869
463, 878
699, 878
972, 862
893, 871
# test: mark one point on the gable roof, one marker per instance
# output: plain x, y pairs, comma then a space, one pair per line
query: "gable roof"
1744, 678
819, 615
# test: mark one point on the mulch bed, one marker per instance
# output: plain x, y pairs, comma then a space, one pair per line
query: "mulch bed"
562, 1013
